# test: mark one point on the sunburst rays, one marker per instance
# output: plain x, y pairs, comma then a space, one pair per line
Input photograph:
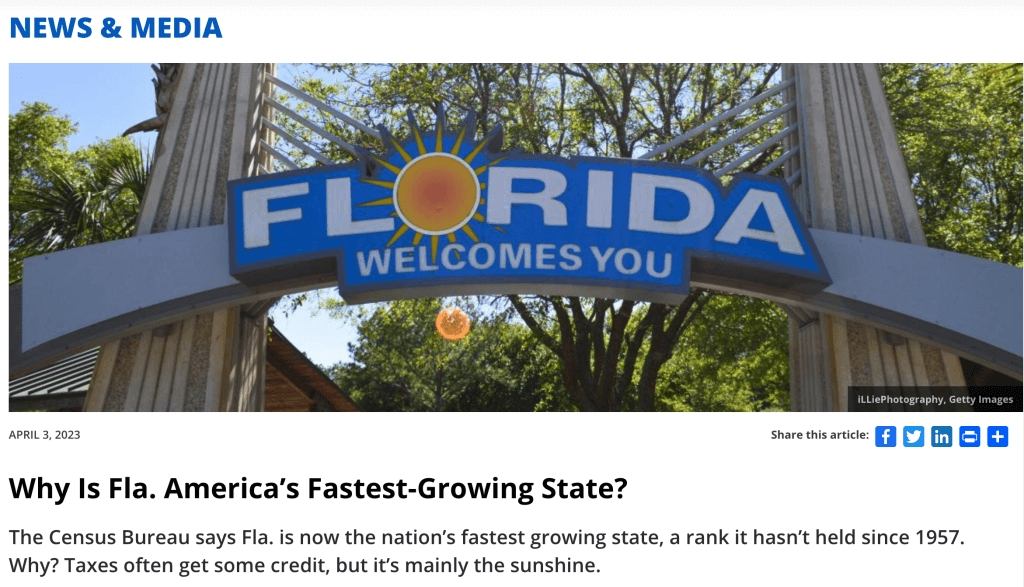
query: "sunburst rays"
387, 170
398, 233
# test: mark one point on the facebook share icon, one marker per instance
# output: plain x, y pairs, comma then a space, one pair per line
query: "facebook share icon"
885, 436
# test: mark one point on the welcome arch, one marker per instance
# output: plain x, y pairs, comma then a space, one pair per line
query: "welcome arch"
881, 308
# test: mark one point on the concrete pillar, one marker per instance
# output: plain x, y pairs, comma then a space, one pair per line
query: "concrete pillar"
853, 180
214, 361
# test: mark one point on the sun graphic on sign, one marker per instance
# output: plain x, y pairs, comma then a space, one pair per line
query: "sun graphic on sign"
435, 181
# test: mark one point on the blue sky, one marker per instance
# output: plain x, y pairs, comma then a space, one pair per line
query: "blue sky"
105, 99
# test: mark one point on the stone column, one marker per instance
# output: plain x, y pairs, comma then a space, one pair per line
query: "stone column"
853, 180
215, 361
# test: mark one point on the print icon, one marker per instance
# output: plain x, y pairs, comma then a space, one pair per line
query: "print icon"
970, 436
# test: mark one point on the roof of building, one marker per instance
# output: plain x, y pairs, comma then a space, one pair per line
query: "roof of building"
293, 383
60, 386
296, 384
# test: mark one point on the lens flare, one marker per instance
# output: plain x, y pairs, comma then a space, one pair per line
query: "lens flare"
452, 323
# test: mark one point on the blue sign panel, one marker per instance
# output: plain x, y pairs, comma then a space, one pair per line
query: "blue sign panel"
439, 210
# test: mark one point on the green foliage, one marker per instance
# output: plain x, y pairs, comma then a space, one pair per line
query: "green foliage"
37, 144
735, 359
604, 109
61, 199
401, 363
609, 352
959, 125
960, 128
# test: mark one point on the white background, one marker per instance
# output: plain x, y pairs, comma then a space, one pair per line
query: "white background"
686, 472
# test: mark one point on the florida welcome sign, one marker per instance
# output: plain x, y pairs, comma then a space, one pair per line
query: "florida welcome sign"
441, 214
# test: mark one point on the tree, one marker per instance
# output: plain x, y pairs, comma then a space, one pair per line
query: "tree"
956, 123
610, 351
960, 128
61, 199
400, 363
735, 359
37, 143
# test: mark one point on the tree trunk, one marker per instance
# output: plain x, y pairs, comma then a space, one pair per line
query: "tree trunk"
437, 390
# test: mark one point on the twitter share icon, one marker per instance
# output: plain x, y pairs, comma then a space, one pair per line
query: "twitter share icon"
913, 436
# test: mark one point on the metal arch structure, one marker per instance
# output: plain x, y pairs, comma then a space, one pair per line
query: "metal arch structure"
838, 154
961, 303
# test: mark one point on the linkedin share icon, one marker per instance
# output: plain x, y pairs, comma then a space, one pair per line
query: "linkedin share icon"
913, 436
942, 436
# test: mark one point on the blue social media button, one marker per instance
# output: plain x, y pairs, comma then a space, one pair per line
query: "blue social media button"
970, 436
913, 436
885, 436
997, 436
942, 436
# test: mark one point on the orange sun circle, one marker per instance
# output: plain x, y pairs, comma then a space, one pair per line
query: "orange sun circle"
436, 193
452, 323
